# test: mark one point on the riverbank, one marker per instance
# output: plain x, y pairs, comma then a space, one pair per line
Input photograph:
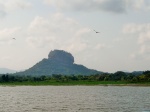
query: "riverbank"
73, 83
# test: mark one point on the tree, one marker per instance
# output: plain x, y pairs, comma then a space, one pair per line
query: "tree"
118, 75
147, 75
5, 78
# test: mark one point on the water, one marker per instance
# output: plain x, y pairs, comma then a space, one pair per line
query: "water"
74, 99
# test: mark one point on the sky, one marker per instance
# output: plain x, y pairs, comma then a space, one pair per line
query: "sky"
40, 26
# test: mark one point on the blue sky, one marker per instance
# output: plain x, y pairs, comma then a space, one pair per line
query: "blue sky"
40, 26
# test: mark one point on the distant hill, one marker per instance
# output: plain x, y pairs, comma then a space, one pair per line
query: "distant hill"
58, 62
6, 70
137, 72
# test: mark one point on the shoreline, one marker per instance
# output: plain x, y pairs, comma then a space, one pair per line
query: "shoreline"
134, 85
144, 84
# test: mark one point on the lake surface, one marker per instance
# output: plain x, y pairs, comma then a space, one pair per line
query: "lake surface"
74, 99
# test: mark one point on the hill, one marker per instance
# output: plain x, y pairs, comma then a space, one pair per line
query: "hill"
58, 62
137, 73
6, 70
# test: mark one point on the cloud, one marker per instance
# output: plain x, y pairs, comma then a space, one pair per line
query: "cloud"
7, 6
40, 42
143, 33
144, 37
5, 58
100, 46
2, 10
7, 34
16, 4
144, 42
58, 31
88, 5
2, 13
140, 5
113, 6
132, 28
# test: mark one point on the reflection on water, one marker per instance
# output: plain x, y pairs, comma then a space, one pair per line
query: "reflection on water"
74, 99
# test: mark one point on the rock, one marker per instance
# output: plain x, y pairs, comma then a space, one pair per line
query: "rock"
58, 62
61, 56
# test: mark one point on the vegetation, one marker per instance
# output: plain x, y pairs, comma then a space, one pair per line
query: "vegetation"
116, 78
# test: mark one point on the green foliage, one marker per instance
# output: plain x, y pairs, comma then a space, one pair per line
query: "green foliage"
77, 79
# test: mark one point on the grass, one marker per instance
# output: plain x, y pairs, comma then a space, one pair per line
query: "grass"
59, 83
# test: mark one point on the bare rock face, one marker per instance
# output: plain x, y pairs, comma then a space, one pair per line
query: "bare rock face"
61, 56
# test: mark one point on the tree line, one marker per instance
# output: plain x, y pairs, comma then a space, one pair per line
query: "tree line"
117, 76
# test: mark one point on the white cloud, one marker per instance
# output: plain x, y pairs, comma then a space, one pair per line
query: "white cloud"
115, 6
144, 42
40, 41
58, 31
7, 34
77, 46
144, 37
100, 46
2, 11
7, 6
5, 58
143, 33
132, 28
137, 5
16, 4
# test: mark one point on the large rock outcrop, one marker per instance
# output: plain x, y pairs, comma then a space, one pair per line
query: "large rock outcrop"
58, 62
61, 56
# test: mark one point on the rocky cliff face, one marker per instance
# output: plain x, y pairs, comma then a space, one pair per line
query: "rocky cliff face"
61, 57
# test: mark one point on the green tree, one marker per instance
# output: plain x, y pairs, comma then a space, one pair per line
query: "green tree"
5, 78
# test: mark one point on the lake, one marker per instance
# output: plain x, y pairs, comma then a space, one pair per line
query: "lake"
74, 99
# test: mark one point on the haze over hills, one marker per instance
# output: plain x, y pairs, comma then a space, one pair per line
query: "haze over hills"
6, 70
58, 62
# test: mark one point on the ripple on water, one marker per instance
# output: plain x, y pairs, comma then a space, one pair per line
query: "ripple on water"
74, 99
